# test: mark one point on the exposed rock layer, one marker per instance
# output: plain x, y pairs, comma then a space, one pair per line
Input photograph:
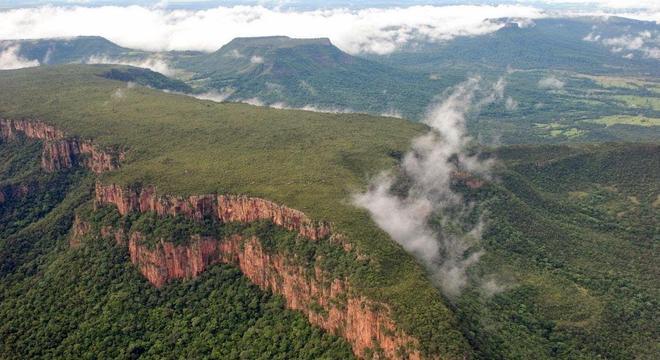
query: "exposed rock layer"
328, 303
226, 208
60, 152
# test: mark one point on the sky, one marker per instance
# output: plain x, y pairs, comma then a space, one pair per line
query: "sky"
377, 27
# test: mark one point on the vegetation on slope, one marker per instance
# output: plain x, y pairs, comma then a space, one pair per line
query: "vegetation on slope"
578, 108
571, 243
308, 161
59, 302
550, 44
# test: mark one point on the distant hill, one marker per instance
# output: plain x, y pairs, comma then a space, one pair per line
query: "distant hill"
68, 50
304, 72
574, 44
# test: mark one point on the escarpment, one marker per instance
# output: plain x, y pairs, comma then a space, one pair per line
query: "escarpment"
328, 302
226, 208
60, 151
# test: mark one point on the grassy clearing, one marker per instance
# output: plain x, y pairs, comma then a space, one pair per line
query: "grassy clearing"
560, 130
626, 120
641, 102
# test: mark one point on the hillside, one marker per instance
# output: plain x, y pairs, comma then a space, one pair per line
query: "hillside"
156, 231
306, 161
68, 50
572, 44
310, 72
572, 239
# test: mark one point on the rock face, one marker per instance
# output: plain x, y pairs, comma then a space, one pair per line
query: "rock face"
167, 261
80, 228
60, 152
327, 302
226, 208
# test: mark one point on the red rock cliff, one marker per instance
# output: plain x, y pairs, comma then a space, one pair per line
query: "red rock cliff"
60, 152
226, 208
328, 303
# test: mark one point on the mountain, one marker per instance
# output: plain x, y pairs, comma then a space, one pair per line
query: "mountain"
161, 225
68, 50
310, 72
232, 184
586, 45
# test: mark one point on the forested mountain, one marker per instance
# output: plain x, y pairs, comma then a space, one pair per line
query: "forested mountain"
582, 44
142, 224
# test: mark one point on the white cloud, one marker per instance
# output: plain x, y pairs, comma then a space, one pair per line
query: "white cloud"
510, 104
257, 60
551, 83
10, 59
235, 54
430, 167
373, 30
153, 63
645, 42
215, 95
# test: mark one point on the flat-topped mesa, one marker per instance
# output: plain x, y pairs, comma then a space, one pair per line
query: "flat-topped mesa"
60, 152
226, 208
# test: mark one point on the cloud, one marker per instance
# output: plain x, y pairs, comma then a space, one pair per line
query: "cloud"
257, 60
645, 42
234, 54
369, 30
430, 168
551, 83
392, 113
118, 94
10, 59
511, 104
215, 95
153, 63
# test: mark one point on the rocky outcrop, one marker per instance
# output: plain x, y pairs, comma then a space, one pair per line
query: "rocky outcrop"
59, 151
226, 208
328, 303
78, 231
468, 179
167, 261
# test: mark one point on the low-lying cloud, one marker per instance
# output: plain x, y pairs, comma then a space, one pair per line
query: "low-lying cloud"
645, 44
431, 166
153, 63
551, 83
370, 30
10, 59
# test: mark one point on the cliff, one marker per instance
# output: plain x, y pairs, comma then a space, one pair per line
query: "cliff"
327, 302
226, 208
59, 151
